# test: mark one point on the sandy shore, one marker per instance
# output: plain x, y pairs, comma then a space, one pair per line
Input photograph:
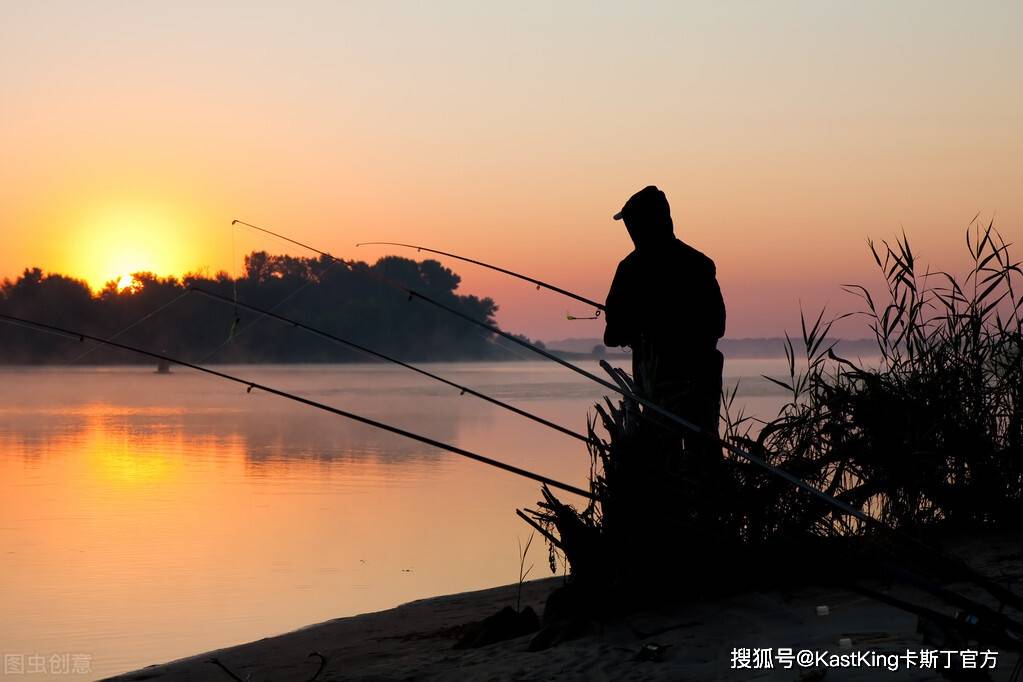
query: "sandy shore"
414, 641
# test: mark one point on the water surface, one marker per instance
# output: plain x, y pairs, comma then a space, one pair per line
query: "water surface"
147, 517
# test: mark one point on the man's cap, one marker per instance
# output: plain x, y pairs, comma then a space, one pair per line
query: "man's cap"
647, 203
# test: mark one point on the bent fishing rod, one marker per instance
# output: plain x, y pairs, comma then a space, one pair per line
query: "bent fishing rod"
623, 391
540, 284
992, 587
382, 356
250, 385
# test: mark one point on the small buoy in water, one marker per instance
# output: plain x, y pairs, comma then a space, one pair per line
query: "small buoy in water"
845, 643
823, 610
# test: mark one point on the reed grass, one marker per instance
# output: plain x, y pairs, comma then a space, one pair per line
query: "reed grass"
926, 436
930, 433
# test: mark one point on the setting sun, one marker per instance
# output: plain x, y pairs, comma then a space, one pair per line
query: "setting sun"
119, 239
125, 282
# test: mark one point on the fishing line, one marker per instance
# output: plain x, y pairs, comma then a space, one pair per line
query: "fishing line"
235, 325
134, 324
81, 336
235, 333
234, 287
169, 304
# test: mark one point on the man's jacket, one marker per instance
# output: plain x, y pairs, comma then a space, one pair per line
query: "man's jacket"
665, 293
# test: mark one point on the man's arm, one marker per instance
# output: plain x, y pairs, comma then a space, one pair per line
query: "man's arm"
617, 322
717, 305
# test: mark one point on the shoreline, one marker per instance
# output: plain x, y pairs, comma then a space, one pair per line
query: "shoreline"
348, 639
696, 640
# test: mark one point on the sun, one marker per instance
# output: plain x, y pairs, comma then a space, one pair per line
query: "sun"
118, 239
125, 282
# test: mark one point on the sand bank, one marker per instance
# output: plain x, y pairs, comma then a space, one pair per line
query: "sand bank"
696, 641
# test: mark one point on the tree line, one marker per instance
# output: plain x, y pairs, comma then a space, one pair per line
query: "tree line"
350, 302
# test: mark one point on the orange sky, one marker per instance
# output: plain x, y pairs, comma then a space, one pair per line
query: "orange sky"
784, 135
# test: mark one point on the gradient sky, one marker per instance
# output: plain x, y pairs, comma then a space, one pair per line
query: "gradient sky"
784, 134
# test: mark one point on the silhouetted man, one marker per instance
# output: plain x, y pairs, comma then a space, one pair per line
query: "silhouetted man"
665, 303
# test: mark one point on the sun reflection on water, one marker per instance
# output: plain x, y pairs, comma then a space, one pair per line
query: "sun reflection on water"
147, 517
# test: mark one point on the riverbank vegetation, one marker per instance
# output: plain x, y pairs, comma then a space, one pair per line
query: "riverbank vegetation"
158, 313
932, 435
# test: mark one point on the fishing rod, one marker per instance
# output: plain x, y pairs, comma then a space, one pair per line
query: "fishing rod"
540, 284
1002, 593
650, 405
369, 351
250, 385
81, 336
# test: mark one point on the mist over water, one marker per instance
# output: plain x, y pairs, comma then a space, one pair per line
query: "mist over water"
147, 517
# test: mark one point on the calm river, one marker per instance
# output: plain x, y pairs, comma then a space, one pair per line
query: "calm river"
147, 517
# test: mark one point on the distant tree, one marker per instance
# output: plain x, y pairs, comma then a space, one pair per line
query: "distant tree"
160, 313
